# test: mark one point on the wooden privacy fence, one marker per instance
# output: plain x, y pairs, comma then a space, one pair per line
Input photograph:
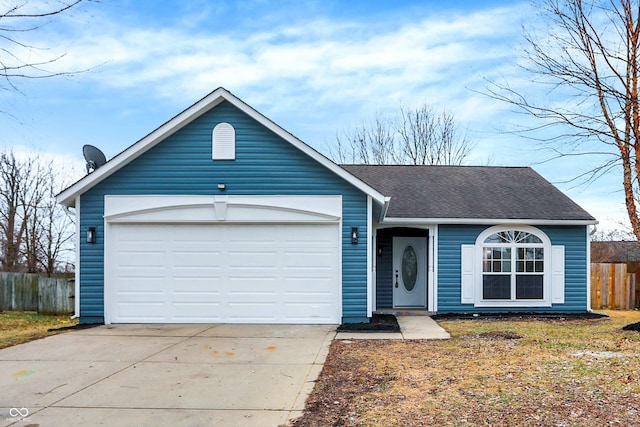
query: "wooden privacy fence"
30, 292
612, 287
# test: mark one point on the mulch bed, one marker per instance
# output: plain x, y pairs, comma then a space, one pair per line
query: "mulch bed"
632, 327
378, 323
78, 327
519, 316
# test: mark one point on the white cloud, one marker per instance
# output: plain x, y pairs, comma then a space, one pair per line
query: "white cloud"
428, 58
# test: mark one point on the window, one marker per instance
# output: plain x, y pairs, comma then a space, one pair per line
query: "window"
512, 266
223, 142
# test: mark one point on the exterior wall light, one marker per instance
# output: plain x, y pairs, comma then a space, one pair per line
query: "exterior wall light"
354, 235
91, 235
222, 186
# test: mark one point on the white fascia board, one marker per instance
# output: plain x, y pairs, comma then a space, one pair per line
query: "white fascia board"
67, 196
485, 221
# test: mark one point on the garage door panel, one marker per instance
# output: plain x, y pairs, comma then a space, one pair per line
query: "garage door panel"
191, 260
196, 310
141, 259
237, 273
251, 296
303, 284
197, 284
140, 285
209, 275
141, 312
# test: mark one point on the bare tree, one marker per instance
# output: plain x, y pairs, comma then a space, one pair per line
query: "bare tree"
372, 142
12, 223
31, 196
18, 19
56, 228
618, 234
35, 231
586, 61
420, 136
431, 138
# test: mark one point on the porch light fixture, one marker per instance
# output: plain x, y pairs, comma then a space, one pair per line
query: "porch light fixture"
354, 235
91, 235
380, 250
222, 186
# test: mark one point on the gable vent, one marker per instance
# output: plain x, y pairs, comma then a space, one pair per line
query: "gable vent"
224, 142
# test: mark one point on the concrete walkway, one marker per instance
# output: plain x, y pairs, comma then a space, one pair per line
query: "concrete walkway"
411, 328
166, 375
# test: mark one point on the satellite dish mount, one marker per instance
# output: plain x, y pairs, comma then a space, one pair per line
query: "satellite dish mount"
94, 157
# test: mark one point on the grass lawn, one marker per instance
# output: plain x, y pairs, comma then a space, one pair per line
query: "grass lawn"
17, 327
491, 373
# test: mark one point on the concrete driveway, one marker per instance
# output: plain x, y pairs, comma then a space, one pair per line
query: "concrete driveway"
166, 375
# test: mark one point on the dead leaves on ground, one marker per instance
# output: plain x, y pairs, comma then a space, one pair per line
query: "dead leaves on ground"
492, 373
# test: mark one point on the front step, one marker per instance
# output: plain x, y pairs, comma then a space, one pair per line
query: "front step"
404, 312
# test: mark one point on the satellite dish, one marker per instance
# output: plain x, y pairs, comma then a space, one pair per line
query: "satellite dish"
94, 157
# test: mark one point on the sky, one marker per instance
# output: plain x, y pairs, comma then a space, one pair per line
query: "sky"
316, 68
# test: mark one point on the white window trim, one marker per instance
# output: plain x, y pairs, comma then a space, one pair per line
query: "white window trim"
472, 274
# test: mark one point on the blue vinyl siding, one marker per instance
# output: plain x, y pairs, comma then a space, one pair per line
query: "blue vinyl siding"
451, 237
265, 164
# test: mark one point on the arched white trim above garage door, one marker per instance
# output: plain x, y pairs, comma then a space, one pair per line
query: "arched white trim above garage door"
178, 208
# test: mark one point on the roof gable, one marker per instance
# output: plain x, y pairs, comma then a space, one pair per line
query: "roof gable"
454, 193
209, 102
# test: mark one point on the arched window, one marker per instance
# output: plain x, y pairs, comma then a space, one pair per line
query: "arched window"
512, 266
223, 142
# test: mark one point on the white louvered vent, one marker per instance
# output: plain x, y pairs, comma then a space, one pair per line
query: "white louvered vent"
224, 142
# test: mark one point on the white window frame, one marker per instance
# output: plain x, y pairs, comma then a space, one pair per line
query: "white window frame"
472, 272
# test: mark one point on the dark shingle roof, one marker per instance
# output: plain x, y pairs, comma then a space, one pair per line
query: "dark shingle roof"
470, 192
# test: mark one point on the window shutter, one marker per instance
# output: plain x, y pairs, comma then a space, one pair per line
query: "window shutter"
224, 142
557, 273
468, 274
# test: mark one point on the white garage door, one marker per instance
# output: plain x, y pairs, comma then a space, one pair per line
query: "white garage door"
223, 273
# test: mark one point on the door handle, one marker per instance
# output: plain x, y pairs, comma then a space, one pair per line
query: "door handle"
396, 278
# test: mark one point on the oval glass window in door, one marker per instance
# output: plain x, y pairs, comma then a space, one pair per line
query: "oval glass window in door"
409, 268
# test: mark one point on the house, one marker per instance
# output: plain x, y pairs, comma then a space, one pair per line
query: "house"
222, 216
618, 251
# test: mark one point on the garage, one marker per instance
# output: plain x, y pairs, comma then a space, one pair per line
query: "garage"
217, 271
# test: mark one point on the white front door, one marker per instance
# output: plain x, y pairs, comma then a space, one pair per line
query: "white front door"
410, 272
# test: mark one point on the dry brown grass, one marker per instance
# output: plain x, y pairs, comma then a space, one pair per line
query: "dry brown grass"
17, 327
559, 373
